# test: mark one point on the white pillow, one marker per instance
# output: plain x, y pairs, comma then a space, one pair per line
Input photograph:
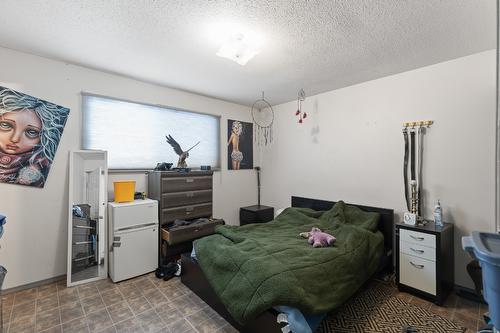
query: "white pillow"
279, 211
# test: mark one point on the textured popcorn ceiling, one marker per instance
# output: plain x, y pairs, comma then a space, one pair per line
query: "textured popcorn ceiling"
315, 45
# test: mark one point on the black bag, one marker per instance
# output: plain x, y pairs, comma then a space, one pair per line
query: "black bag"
475, 272
169, 271
163, 166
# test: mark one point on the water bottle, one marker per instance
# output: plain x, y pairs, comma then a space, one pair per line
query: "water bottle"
438, 215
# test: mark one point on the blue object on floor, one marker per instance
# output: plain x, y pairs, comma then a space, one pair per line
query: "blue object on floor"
300, 323
3, 220
485, 247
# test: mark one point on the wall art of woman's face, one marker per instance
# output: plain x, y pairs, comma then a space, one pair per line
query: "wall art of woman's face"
19, 131
30, 131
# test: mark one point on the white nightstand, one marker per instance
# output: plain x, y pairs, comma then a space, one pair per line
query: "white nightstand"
425, 260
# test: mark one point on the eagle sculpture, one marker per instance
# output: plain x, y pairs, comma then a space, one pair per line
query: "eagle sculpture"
178, 150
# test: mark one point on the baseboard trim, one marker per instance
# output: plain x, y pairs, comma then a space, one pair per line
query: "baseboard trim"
468, 293
34, 284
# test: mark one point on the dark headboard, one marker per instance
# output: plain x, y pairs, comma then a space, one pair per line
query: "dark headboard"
386, 225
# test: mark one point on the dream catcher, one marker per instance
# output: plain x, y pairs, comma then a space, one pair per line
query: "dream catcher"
301, 96
263, 118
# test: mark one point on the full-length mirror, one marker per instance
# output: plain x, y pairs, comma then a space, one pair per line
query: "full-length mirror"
87, 259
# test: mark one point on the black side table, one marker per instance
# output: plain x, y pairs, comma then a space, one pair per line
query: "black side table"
256, 214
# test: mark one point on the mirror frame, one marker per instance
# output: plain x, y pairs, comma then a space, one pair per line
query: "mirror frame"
104, 239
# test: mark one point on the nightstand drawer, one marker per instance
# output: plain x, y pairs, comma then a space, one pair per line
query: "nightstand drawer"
417, 273
417, 250
416, 237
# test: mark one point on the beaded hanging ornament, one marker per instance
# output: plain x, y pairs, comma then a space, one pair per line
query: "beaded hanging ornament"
263, 119
301, 96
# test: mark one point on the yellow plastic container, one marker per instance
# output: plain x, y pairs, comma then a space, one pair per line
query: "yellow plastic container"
124, 190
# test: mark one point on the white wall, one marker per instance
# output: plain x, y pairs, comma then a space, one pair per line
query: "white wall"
351, 147
34, 244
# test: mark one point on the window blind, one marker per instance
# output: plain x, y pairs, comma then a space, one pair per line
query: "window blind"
134, 133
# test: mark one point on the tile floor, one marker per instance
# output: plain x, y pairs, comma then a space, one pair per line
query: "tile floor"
149, 305
462, 311
141, 305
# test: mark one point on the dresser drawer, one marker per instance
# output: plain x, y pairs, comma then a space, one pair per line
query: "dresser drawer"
189, 232
183, 184
185, 198
186, 212
417, 250
417, 273
416, 237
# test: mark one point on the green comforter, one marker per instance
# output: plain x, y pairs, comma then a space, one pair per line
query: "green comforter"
255, 267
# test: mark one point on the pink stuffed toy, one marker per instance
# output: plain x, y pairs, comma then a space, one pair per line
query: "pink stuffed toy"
318, 238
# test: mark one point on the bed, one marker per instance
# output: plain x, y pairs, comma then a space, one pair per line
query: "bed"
196, 279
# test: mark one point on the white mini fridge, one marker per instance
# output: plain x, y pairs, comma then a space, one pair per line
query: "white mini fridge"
133, 230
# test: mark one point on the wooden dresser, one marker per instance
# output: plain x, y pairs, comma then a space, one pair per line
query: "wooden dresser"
183, 196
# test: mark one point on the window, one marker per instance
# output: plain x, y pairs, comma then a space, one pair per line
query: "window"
134, 133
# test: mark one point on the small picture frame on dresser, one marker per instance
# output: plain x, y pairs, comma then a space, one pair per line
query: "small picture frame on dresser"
409, 218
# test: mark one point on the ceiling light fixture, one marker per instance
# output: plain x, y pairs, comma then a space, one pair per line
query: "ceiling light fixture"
240, 48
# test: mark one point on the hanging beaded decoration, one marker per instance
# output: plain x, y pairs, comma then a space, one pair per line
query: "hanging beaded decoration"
301, 96
263, 118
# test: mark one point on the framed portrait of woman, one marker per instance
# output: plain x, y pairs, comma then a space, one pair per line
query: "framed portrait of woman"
239, 145
30, 131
